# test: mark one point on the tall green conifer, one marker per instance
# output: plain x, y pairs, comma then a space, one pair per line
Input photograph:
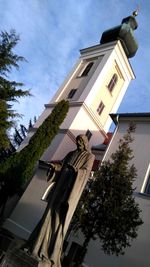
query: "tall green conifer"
18, 168
107, 210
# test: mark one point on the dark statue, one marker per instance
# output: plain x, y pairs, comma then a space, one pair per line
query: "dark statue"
67, 181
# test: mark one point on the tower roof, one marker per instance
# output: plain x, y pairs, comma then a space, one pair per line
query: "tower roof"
124, 33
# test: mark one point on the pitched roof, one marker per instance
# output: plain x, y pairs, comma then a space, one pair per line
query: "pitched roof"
128, 116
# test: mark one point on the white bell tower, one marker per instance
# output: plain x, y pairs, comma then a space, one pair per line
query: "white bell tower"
94, 88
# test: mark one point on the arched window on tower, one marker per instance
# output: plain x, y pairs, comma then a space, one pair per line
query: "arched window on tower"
112, 82
86, 70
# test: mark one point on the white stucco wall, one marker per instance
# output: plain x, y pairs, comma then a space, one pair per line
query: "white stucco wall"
138, 254
140, 146
30, 207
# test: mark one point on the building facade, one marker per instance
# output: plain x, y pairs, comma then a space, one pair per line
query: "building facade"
138, 254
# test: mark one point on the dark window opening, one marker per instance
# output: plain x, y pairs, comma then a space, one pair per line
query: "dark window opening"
100, 108
112, 82
87, 69
88, 134
71, 93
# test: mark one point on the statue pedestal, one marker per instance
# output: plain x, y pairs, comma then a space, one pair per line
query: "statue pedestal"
18, 258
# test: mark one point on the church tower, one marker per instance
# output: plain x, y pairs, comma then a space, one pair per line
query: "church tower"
94, 88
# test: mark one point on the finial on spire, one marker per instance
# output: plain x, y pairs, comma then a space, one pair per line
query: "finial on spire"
136, 12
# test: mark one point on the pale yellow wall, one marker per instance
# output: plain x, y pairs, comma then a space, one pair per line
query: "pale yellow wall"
107, 97
78, 82
84, 121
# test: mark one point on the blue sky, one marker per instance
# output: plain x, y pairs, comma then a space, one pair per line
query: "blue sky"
53, 31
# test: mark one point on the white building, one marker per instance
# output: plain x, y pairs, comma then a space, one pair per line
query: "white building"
138, 254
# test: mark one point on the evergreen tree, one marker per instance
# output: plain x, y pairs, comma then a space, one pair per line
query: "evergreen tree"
30, 125
18, 169
14, 142
23, 130
17, 138
6, 152
9, 90
107, 210
35, 119
19, 135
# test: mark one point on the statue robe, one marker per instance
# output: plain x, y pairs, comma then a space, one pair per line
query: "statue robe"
46, 240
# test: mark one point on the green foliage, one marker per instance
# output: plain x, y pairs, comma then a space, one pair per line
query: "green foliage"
107, 209
8, 59
14, 142
30, 124
23, 130
18, 168
6, 152
17, 138
35, 119
9, 90
19, 135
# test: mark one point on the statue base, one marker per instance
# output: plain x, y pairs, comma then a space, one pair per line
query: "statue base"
18, 258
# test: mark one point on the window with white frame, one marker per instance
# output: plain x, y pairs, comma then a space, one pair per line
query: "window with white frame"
146, 185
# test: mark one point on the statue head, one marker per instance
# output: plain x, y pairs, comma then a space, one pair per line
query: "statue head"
82, 142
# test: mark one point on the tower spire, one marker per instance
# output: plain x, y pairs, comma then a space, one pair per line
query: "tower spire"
124, 33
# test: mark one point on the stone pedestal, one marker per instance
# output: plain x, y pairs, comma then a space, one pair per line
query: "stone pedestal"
18, 258
11, 254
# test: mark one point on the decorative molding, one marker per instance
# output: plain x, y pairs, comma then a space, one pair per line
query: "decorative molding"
88, 110
119, 71
71, 136
71, 104
98, 48
125, 59
94, 117
69, 133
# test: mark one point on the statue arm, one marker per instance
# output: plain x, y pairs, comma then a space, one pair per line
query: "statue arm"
53, 168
